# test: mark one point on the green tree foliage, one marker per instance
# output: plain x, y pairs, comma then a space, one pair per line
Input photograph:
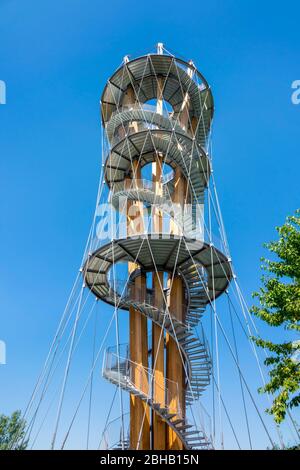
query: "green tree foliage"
12, 432
279, 299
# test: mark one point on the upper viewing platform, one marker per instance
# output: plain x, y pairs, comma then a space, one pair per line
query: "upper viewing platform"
157, 91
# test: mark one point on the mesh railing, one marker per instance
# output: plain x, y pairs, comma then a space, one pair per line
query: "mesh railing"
116, 433
152, 387
128, 291
141, 107
142, 184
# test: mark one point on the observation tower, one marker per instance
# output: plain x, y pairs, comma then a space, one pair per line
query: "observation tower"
157, 112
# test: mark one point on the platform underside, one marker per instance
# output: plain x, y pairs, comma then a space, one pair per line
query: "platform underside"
161, 253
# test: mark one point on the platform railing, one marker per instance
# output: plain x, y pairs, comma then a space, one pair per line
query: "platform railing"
140, 184
127, 291
137, 378
115, 435
143, 107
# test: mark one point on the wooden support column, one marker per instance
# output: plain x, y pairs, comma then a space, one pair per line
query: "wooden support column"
175, 370
194, 125
184, 115
129, 98
138, 333
158, 362
158, 351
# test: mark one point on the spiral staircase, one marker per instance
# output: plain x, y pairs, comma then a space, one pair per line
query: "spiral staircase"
139, 132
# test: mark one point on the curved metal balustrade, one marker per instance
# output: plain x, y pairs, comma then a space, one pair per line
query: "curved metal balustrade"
179, 78
140, 382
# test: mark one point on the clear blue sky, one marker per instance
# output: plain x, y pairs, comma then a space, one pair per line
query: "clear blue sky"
55, 57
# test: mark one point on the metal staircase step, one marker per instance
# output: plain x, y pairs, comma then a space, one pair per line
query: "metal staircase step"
184, 426
177, 421
191, 433
189, 341
194, 439
195, 346
169, 416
